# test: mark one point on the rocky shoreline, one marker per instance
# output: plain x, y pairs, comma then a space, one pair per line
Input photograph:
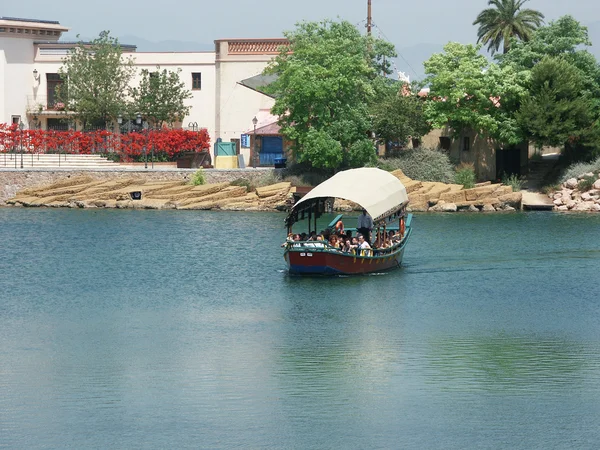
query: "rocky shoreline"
578, 194
139, 192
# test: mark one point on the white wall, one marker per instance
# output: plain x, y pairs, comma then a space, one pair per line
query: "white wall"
203, 100
17, 77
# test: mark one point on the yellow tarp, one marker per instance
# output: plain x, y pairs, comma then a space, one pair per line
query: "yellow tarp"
226, 162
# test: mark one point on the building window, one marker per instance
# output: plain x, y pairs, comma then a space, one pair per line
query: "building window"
196, 81
445, 143
466, 143
53, 82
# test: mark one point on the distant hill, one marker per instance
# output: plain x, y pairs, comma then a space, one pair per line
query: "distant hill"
410, 58
144, 45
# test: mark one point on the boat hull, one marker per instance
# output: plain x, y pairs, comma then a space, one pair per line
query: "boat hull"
310, 261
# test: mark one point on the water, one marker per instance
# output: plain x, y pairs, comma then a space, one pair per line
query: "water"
165, 329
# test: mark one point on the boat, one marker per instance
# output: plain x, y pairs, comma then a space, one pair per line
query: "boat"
384, 198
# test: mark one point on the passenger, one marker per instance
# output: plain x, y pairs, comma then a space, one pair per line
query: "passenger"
303, 237
364, 246
289, 240
346, 246
365, 225
339, 227
333, 242
354, 246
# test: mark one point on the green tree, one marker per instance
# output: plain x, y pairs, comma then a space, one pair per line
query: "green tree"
160, 97
96, 79
504, 21
399, 116
326, 81
554, 110
560, 44
469, 93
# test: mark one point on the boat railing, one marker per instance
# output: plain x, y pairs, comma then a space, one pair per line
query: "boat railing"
323, 246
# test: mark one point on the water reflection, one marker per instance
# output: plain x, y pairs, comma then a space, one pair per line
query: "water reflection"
512, 363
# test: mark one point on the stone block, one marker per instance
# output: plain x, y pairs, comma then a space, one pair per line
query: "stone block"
502, 190
478, 192
412, 186
418, 207
268, 191
453, 196
514, 199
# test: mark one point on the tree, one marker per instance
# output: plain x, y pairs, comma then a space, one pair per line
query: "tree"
565, 38
326, 81
561, 45
160, 97
96, 79
399, 116
469, 93
554, 111
504, 21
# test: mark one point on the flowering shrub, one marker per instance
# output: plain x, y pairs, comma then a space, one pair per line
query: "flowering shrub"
166, 143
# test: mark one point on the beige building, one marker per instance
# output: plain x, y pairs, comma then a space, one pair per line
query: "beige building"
31, 54
489, 158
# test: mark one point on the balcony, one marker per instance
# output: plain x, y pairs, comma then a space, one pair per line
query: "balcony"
41, 105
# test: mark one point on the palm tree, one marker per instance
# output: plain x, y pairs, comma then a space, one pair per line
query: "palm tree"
505, 20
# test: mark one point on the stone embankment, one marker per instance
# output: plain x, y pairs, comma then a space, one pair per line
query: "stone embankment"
141, 193
441, 197
578, 194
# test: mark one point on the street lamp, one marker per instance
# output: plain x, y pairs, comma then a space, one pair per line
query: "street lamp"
254, 122
21, 125
120, 119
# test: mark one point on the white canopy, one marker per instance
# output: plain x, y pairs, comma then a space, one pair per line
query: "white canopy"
377, 191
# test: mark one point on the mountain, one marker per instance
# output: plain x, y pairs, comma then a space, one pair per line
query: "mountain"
144, 45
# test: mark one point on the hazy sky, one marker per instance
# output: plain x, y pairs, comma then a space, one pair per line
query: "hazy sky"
405, 24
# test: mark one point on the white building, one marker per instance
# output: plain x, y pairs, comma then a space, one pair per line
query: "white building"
31, 54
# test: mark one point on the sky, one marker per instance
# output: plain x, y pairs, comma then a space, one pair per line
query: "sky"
416, 28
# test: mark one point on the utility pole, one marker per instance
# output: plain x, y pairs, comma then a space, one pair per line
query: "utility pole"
369, 18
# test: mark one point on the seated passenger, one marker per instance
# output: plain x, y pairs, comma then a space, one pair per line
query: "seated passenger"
346, 245
354, 246
289, 240
364, 246
333, 242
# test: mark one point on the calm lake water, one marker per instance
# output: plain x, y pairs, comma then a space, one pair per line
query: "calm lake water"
165, 329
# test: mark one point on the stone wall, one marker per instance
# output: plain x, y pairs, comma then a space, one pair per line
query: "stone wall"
12, 181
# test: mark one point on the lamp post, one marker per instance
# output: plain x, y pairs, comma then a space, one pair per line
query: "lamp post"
254, 122
21, 125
